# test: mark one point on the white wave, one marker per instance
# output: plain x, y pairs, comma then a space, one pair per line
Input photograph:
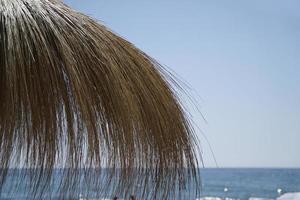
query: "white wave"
290, 196
227, 198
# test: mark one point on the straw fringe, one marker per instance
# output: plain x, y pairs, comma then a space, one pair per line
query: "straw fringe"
77, 97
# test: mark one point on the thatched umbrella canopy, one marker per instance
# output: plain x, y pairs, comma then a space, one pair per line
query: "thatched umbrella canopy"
77, 97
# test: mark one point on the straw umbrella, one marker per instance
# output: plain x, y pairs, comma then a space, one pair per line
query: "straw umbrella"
77, 97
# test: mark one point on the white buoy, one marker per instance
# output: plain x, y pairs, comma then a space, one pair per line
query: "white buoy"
279, 190
226, 189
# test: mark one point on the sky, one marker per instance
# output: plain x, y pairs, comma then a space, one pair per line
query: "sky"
241, 60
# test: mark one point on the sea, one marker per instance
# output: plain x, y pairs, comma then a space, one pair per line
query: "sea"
229, 184
250, 184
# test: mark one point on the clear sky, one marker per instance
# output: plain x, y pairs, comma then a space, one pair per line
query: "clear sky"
242, 59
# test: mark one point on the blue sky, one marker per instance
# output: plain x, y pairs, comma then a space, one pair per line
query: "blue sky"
242, 59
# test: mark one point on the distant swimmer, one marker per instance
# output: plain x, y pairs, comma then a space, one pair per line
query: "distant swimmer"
132, 198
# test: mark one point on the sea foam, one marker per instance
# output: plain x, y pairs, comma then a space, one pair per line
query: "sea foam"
290, 196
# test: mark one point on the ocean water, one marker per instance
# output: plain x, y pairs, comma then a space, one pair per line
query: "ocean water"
245, 184
227, 184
